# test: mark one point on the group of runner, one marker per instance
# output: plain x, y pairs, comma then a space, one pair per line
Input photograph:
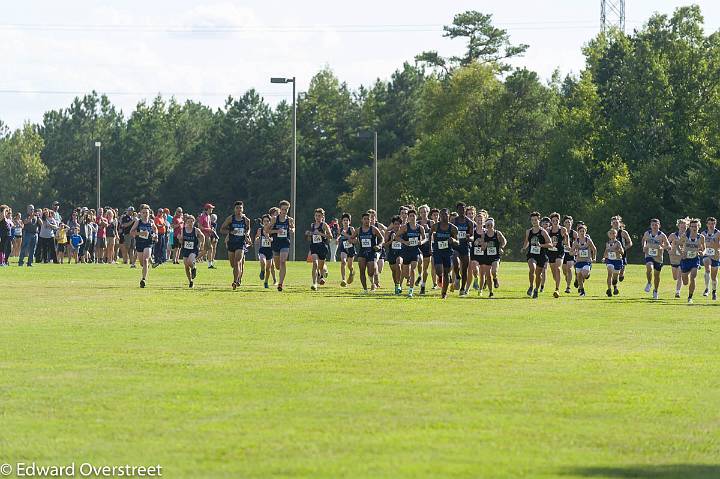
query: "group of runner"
453, 250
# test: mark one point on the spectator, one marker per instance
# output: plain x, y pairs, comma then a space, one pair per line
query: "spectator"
128, 242
335, 230
31, 229
159, 248
17, 234
5, 234
178, 223
205, 224
47, 237
111, 234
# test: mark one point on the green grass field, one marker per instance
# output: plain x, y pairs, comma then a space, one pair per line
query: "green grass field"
255, 383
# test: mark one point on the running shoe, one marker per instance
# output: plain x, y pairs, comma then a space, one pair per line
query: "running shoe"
266, 285
193, 273
417, 281
343, 283
567, 290
706, 292
314, 287
714, 295
535, 294
262, 274
234, 286
655, 295
647, 287
609, 293
351, 277
530, 291
142, 283
279, 287
556, 294
491, 295
422, 289
677, 294
496, 283
621, 278
190, 285
690, 300
582, 292
616, 291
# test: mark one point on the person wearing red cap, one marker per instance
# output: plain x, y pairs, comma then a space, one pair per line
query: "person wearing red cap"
206, 228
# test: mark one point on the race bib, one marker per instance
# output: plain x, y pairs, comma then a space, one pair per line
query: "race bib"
282, 233
396, 245
584, 253
492, 251
143, 234
710, 252
612, 255
366, 243
691, 254
552, 248
478, 251
317, 239
189, 244
652, 251
347, 244
17, 231
535, 249
462, 235
265, 242
238, 231
413, 241
442, 244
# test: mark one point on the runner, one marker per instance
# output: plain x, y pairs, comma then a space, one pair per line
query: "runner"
613, 259
691, 245
444, 238
265, 252
535, 240
556, 252
624, 238
319, 236
425, 249
544, 224
177, 224
675, 254
144, 232
461, 257
569, 260
381, 253
411, 236
236, 229
191, 241
654, 243
347, 249
493, 243
368, 239
710, 256
393, 246
280, 231
585, 252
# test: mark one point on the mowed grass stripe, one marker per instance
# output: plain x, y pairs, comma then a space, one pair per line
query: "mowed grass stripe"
256, 383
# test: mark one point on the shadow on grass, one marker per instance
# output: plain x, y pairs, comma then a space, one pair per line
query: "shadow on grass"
666, 471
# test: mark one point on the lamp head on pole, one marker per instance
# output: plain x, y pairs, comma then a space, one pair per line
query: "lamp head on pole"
98, 144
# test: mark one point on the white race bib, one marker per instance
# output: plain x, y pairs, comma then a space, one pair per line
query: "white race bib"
478, 251
396, 245
347, 244
238, 231
535, 249
442, 244
282, 233
143, 234
317, 239
462, 235
691, 254
189, 244
552, 248
612, 255
265, 242
652, 251
710, 252
413, 241
366, 243
491, 251
584, 253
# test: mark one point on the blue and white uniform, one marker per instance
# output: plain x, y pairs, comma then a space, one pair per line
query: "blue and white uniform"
144, 238
236, 237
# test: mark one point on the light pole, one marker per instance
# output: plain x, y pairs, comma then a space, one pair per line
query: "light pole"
366, 135
98, 145
293, 165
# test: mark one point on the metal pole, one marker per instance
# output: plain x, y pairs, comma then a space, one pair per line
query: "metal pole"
293, 185
98, 180
375, 167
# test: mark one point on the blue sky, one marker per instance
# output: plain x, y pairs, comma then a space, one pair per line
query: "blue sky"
134, 49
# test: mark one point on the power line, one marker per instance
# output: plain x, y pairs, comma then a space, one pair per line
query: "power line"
128, 93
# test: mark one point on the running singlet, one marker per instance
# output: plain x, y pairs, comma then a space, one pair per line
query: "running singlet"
238, 230
492, 246
534, 242
613, 255
556, 239
692, 247
654, 244
367, 240
144, 233
463, 231
190, 241
265, 241
583, 255
412, 236
283, 227
316, 238
441, 241
344, 240
709, 240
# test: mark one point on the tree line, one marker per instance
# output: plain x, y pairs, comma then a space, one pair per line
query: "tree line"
636, 133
